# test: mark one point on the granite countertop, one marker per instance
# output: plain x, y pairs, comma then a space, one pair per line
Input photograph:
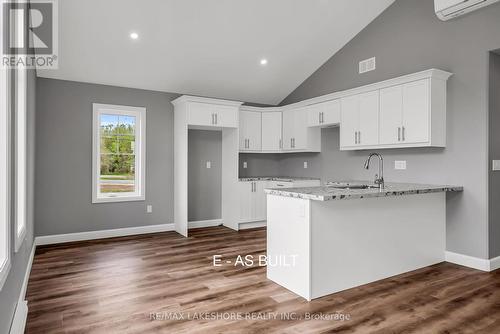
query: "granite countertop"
277, 178
327, 193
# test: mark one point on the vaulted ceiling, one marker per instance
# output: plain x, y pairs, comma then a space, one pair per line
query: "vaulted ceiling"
206, 47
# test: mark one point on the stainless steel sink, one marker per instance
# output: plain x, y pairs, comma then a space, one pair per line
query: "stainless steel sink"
351, 186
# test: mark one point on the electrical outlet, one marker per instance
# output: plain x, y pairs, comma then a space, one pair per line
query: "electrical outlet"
149, 209
496, 165
305, 164
245, 164
400, 164
209, 164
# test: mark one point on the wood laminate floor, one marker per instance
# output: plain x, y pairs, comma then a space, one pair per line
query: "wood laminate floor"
163, 283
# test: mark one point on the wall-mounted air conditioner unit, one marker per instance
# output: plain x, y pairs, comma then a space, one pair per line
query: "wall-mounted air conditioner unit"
448, 9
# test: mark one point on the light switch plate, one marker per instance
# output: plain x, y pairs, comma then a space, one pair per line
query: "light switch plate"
209, 164
149, 209
305, 164
245, 165
496, 164
400, 164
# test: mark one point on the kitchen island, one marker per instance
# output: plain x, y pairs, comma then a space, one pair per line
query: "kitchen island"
322, 240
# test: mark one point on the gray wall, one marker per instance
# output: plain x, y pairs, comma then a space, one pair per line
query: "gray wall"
259, 164
9, 294
407, 38
63, 189
494, 153
204, 185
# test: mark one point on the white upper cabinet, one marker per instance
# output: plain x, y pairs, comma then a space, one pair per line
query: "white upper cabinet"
200, 114
411, 113
359, 116
368, 118
271, 131
408, 111
250, 131
391, 115
212, 115
295, 129
404, 113
324, 114
416, 112
411, 116
226, 116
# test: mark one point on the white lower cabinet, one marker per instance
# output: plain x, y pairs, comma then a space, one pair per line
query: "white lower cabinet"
253, 199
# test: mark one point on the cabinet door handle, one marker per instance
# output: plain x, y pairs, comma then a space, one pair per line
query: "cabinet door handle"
319, 118
359, 137
280, 145
216, 120
404, 134
399, 133
355, 137
248, 140
254, 186
212, 119
322, 117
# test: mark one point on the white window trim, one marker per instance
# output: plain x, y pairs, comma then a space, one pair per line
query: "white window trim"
21, 159
5, 170
140, 153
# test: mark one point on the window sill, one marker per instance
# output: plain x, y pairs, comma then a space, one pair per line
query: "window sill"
20, 239
118, 199
4, 273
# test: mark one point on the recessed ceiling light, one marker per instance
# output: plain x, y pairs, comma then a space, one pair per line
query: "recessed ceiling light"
263, 62
134, 35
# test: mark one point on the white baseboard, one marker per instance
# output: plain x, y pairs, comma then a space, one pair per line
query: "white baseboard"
495, 263
246, 226
205, 223
91, 235
473, 262
20, 316
21, 312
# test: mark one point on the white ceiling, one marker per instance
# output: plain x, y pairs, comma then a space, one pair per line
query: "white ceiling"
206, 47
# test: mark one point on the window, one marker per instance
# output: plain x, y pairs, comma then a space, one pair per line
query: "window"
4, 170
119, 148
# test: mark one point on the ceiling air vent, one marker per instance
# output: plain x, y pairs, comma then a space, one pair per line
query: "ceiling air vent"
367, 65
